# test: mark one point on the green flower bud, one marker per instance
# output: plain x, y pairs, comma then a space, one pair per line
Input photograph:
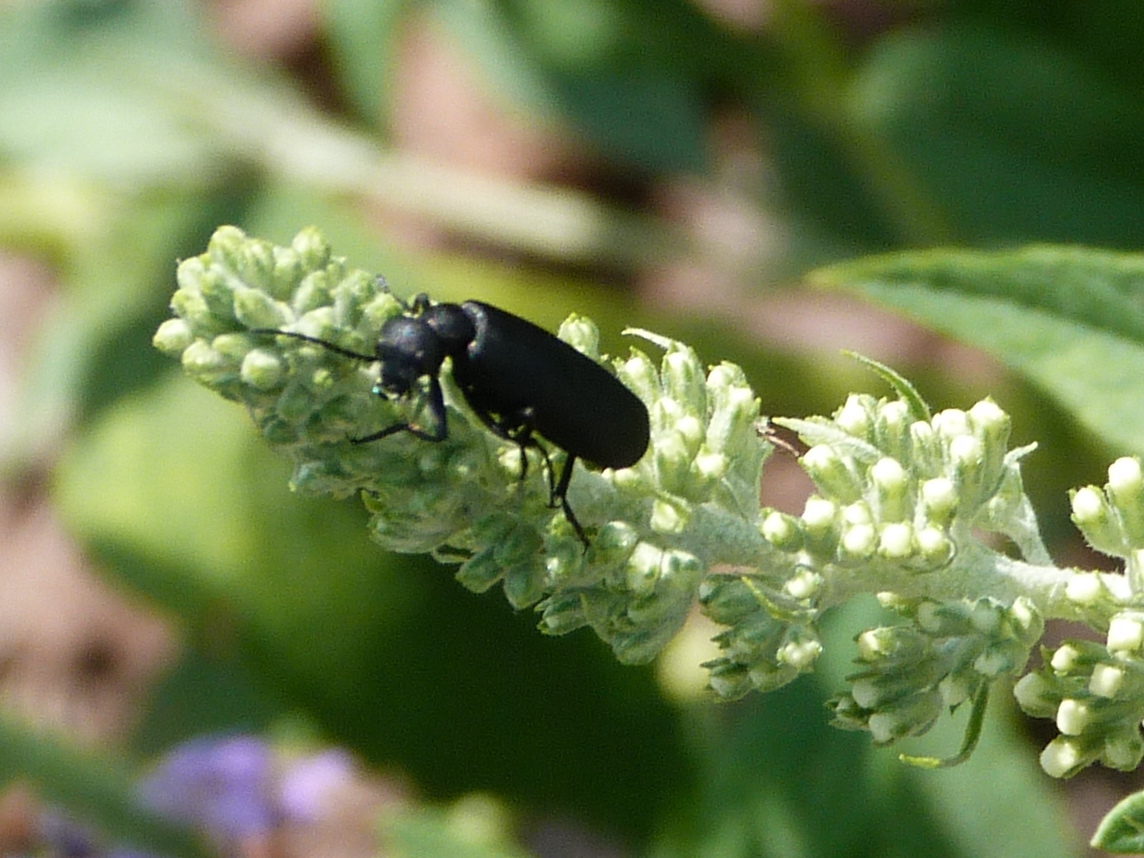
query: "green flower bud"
892, 429
1065, 658
819, 515
1126, 633
927, 455
728, 680
582, 335
1064, 757
735, 408
998, 660
896, 541
643, 569
955, 690
1106, 680
173, 337
782, 531
709, 467
313, 293
1085, 589
939, 498
669, 516
1036, 696
1126, 491
856, 417
313, 249
684, 378
639, 373
934, 547
1123, 750
206, 365
1073, 717
1093, 516
800, 653
727, 600
892, 486
805, 584
952, 423
859, 534
910, 717
525, 581
832, 474
768, 676
262, 370
991, 426
562, 614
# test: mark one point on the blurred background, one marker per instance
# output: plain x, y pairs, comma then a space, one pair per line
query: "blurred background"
668, 164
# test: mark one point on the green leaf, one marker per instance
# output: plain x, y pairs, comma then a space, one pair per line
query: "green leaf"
1068, 318
1014, 137
1122, 830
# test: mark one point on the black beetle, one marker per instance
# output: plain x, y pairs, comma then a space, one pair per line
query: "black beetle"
519, 379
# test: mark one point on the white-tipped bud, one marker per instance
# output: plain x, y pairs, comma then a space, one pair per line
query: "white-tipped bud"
819, 514
1073, 716
1106, 680
854, 416
1064, 659
1125, 633
1061, 757
1084, 588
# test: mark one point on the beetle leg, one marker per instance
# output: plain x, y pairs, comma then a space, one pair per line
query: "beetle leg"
560, 492
436, 407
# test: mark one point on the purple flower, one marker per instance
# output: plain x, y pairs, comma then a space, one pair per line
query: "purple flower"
223, 784
309, 784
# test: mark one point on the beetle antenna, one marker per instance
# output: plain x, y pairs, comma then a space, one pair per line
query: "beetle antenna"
334, 347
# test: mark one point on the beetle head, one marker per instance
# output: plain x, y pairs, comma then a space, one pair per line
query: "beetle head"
407, 349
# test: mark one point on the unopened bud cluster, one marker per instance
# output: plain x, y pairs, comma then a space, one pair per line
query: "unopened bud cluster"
1095, 693
896, 487
1112, 518
772, 635
942, 657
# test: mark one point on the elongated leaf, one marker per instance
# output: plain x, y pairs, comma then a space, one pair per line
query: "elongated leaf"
94, 788
1071, 319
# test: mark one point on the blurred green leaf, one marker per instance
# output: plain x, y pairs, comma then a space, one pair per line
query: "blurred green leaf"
1068, 318
1014, 137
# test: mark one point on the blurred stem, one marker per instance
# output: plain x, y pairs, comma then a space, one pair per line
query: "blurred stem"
545, 220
